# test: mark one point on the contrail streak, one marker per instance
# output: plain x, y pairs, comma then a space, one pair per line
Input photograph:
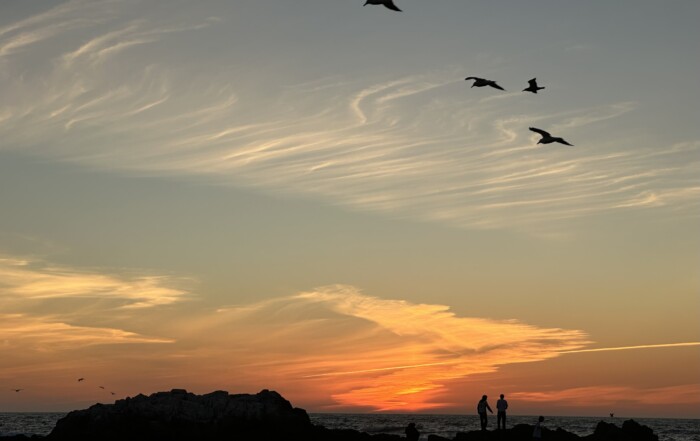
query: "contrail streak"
391, 368
624, 348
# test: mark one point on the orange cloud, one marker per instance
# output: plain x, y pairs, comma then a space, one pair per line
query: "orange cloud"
330, 348
27, 333
370, 352
48, 310
27, 279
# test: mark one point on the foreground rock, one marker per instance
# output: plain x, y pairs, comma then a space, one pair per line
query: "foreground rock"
630, 431
182, 416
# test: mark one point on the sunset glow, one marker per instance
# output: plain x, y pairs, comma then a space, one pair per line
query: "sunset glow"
308, 197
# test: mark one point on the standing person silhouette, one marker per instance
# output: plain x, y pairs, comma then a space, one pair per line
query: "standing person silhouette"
537, 433
501, 406
481, 410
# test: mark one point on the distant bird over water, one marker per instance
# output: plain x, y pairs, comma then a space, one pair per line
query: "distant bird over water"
387, 3
482, 82
81, 379
533, 86
547, 138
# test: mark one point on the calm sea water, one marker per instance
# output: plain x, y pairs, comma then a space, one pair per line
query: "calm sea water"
27, 423
449, 425
443, 425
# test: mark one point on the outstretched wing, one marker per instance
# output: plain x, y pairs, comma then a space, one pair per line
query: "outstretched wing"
533, 83
496, 86
473, 78
390, 4
540, 131
561, 141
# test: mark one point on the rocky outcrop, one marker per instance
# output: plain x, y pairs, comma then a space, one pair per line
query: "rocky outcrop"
630, 431
180, 415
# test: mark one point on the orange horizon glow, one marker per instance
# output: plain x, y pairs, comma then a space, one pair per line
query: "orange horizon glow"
333, 347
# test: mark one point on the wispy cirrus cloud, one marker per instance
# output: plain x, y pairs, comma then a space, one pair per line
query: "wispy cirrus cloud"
67, 17
49, 309
48, 333
25, 279
421, 146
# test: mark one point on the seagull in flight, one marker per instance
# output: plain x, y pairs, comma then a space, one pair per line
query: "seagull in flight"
547, 138
101, 387
18, 390
112, 393
482, 82
81, 379
533, 86
387, 3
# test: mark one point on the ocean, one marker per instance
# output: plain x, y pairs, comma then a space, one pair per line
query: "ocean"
449, 425
443, 425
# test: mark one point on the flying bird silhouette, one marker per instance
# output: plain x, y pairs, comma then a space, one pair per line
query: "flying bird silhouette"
101, 387
482, 82
81, 379
112, 393
533, 86
18, 390
387, 3
547, 138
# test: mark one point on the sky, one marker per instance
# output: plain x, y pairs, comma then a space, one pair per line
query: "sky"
308, 197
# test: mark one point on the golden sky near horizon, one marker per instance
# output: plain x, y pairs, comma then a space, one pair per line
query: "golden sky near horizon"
310, 198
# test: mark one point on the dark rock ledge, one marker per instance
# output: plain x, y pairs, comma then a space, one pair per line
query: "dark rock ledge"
182, 416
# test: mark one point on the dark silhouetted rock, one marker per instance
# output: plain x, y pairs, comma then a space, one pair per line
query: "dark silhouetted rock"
638, 431
178, 415
630, 431
562, 435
